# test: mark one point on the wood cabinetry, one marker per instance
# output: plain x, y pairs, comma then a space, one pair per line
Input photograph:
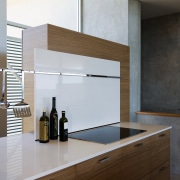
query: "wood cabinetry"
135, 160
129, 162
104, 167
146, 159
160, 156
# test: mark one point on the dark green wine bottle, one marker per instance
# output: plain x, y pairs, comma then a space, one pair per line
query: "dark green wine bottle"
53, 125
63, 123
44, 128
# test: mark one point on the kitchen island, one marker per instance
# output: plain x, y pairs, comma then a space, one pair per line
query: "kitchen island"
146, 156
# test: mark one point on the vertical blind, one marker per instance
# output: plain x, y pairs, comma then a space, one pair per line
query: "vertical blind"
14, 87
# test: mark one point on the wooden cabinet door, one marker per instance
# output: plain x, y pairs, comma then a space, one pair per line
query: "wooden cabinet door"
135, 161
130, 162
105, 167
160, 138
67, 174
160, 156
162, 172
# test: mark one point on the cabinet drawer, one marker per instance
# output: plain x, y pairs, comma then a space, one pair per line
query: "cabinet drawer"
160, 149
160, 154
68, 174
162, 172
160, 138
135, 148
102, 167
135, 167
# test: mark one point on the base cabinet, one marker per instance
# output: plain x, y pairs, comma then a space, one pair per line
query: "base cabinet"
162, 172
104, 167
160, 156
147, 159
135, 160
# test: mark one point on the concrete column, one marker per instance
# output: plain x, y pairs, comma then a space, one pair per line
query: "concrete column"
134, 41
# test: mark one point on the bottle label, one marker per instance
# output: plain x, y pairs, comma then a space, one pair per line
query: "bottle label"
43, 136
66, 125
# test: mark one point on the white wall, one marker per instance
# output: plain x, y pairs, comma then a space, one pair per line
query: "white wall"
62, 13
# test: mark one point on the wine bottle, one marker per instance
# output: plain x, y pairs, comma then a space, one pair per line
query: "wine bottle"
53, 126
63, 127
44, 128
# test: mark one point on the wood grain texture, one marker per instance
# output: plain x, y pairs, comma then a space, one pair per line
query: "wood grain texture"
162, 172
28, 122
129, 162
135, 167
160, 149
135, 160
103, 167
63, 40
136, 148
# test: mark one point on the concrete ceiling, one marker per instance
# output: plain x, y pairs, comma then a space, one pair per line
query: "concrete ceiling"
155, 8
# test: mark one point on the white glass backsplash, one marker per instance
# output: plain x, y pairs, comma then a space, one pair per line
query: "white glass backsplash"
52, 61
88, 101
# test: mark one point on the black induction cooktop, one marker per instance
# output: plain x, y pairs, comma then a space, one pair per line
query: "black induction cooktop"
105, 134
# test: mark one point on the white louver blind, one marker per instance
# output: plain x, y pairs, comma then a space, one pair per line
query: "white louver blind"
14, 87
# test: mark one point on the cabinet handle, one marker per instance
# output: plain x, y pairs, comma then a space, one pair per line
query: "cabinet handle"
162, 135
138, 145
104, 160
162, 169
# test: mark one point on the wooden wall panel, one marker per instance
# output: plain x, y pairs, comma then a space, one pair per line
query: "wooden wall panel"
63, 40
60, 39
32, 38
28, 122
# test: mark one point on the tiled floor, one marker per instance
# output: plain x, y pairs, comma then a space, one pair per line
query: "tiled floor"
175, 176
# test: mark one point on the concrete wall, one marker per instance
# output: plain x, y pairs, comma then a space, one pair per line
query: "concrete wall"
3, 113
118, 21
106, 19
161, 64
174, 136
134, 37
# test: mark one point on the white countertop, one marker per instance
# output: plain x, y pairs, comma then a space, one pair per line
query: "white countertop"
23, 158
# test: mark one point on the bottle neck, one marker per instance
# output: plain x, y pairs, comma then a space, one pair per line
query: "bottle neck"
44, 113
54, 103
63, 114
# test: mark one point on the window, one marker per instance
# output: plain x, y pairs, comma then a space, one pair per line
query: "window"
14, 86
